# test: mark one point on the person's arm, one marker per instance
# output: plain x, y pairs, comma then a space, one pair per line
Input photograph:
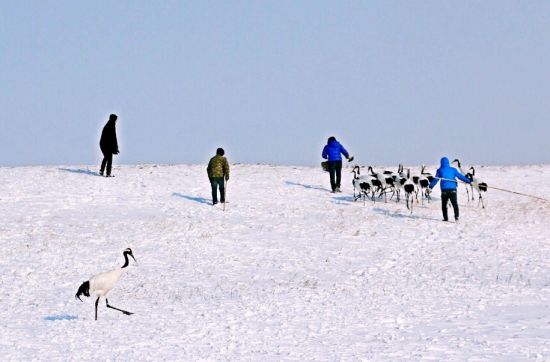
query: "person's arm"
343, 151
226, 169
435, 180
325, 153
461, 177
102, 138
209, 169
115, 144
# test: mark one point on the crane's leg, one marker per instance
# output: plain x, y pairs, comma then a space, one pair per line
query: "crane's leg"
481, 201
120, 310
96, 303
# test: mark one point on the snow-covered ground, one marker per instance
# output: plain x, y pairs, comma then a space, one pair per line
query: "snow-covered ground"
288, 272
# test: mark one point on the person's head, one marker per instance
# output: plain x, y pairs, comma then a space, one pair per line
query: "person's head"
331, 139
112, 119
220, 152
444, 162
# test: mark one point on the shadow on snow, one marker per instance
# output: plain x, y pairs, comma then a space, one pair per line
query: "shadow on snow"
201, 200
79, 170
341, 199
399, 215
63, 317
311, 187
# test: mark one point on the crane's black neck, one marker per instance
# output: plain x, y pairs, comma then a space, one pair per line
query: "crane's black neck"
125, 259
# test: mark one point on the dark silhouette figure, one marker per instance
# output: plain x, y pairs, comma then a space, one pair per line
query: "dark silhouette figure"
108, 144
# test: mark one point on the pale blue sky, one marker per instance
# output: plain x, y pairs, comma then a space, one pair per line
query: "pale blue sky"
395, 81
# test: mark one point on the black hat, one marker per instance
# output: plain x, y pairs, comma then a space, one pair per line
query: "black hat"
113, 117
331, 138
220, 151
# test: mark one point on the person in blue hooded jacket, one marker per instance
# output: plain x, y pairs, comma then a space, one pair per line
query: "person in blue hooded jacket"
333, 152
448, 176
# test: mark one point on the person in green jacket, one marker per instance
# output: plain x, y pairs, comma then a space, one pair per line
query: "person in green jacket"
218, 173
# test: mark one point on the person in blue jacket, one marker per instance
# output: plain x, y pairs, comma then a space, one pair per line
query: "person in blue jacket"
448, 176
333, 152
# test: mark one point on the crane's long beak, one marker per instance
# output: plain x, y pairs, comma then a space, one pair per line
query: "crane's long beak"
133, 258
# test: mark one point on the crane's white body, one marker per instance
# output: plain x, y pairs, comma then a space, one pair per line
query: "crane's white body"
102, 284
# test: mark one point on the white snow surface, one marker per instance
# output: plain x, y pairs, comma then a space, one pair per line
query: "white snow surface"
289, 271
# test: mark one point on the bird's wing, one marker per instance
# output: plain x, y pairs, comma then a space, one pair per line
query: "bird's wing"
105, 281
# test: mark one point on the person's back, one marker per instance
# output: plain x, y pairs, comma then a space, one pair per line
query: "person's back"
447, 174
218, 167
333, 150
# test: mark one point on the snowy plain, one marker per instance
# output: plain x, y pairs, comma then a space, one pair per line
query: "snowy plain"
289, 271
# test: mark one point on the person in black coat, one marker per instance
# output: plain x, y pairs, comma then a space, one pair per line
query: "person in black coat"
108, 144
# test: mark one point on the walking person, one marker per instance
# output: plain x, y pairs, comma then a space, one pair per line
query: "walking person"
448, 176
218, 173
333, 152
109, 145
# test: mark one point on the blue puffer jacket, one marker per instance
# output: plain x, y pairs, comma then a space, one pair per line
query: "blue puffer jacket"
332, 151
449, 173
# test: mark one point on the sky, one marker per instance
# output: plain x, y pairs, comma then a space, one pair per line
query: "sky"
270, 81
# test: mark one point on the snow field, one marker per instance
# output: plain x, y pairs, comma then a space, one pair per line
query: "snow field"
288, 272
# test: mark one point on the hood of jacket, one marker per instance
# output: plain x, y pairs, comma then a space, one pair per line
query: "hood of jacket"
444, 162
111, 123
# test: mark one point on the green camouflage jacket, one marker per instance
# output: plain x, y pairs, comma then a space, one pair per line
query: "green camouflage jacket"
218, 167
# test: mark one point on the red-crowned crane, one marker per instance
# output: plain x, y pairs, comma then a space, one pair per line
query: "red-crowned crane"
410, 187
468, 175
477, 184
102, 284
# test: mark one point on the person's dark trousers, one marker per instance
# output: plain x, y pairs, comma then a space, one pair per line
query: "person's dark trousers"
216, 182
335, 171
447, 195
107, 161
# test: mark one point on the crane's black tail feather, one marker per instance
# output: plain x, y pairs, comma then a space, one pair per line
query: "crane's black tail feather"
84, 289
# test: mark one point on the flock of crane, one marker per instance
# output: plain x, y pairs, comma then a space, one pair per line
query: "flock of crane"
374, 185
